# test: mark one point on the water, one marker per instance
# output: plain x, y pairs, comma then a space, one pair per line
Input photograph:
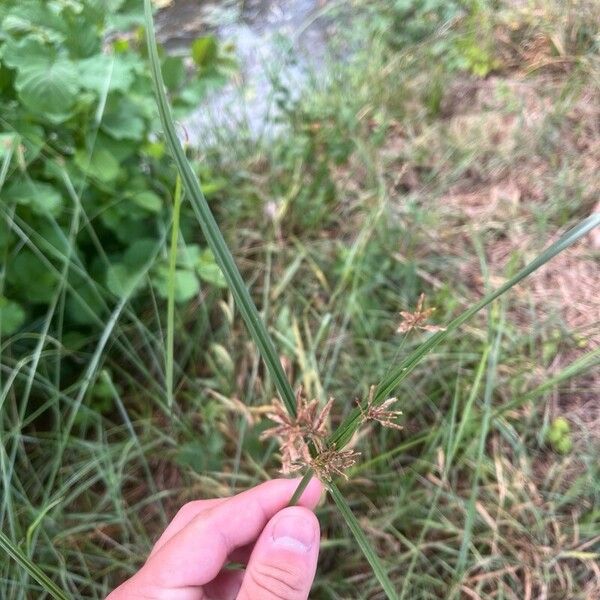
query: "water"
276, 42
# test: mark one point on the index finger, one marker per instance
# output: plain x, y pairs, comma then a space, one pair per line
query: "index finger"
195, 555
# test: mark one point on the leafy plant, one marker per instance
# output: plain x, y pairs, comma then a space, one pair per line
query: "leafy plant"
77, 135
225, 271
559, 435
432, 24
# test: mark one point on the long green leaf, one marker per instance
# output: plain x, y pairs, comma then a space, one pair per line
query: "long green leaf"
587, 362
484, 427
385, 389
15, 553
238, 288
211, 230
363, 542
171, 292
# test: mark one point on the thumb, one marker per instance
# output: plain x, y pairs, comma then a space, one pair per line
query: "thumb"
284, 560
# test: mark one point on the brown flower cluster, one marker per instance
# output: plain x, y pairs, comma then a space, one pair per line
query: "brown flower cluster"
331, 462
418, 319
302, 438
309, 426
381, 413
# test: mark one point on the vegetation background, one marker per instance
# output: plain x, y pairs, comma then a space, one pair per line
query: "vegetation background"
440, 146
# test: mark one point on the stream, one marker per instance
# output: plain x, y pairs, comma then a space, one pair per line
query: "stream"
277, 42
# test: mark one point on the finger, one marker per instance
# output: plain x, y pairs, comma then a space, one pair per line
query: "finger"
184, 516
284, 560
241, 555
225, 586
196, 554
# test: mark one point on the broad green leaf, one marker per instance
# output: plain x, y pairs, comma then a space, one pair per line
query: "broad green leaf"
139, 253
123, 121
85, 307
42, 197
209, 270
30, 16
194, 92
125, 16
18, 54
6, 234
148, 201
203, 454
173, 72
6, 76
12, 316
55, 240
121, 150
19, 26
186, 285
122, 281
127, 221
154, 150
102, 72
203, 262
189, 256
46, 82
204, 50
33, 279
101, 164
29, 138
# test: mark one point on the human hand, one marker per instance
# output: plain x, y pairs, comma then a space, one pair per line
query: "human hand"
279, 545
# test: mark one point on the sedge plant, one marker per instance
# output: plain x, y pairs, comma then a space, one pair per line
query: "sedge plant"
317, 450
326, 457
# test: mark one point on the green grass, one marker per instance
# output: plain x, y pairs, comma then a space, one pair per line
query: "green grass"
381, 198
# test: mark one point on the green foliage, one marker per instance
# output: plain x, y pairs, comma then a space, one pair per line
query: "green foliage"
397, 372
78, 122
559, 435
414, 21
12, 316
456, 33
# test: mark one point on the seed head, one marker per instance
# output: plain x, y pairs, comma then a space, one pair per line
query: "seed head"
310, 425
417, 319
331, 462
381, 413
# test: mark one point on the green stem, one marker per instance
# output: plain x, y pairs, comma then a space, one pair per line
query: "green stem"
376, 565
301, 487
171, 291
211, 230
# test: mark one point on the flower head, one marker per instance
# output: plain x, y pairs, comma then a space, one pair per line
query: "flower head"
417, 319
331, 462
309, 426
381, 413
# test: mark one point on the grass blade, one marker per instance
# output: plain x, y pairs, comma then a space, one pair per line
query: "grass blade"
363, 542
301, 487
211, 230
171, 292
13, 551
385, 389
490, 383
587, 362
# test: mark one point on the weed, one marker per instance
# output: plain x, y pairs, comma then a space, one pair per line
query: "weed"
372, 207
